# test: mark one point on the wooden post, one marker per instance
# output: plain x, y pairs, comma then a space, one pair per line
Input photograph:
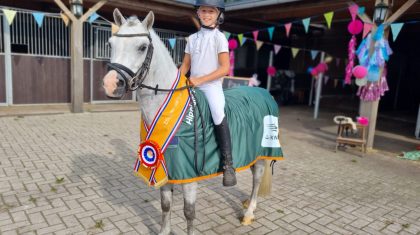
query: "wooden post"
8, 62
319, 88
76, 52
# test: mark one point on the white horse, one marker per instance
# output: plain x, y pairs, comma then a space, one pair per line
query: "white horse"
130, 48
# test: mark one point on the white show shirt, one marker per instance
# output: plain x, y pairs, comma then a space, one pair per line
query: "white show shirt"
204, 48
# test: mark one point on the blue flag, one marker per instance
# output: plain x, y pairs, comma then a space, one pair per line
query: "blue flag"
39, 18
306, 23
172, 42
270, 32
396, 28
93, 17
314, 54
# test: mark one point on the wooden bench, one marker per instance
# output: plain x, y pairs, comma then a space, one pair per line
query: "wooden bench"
353, 139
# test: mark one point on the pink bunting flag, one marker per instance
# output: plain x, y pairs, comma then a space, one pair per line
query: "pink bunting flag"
366, 29
277, 49
288, 26
255, 33
354, 9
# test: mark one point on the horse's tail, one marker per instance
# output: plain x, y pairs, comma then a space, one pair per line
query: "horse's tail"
265, 187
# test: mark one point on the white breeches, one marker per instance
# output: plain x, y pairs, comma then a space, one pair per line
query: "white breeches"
216, 100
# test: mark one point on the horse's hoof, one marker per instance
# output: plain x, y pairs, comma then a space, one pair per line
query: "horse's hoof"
247, 220
245, 203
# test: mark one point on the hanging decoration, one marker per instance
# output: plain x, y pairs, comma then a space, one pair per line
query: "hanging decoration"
93, 17
233, 44
366, 29
328, 17
288, 26
270, 33
39, 18
355, 27
314, 54
271, 70
115, 28
65, 19
255, 34
306, 23
375, 85
258, 44
396, 29
10, 15
295, 51
172, 42
227, 35
277, 49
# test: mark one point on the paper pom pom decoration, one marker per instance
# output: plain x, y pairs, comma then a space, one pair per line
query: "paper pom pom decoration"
355, 27
271, 70
309, 70
233, 44
322, 67
314, 72
359, 72
361, 81
364, 121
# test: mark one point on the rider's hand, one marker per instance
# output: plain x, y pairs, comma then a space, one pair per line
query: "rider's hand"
195, 81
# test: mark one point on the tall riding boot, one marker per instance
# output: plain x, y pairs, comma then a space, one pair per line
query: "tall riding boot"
225, 146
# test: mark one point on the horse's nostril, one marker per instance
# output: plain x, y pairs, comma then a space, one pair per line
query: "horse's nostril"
121, 82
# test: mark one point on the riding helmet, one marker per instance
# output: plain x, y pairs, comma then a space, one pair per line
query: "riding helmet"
211, 3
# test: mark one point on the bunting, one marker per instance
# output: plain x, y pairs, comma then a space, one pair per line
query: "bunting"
172, 42
396, 29
259, 44
361, 10
10, 15
288, 26
295, 51
270, 33
115, 28
306, 23
314, 54
277, 49
39, 18
227, 35
93, 17
255, 34
328, 17
366, 29
354, 9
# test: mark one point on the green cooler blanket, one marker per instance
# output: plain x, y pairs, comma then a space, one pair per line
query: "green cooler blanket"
252, 114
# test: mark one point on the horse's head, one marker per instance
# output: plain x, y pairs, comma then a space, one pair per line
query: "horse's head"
131, 55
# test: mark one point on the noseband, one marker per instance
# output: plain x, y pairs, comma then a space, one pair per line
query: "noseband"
135, 80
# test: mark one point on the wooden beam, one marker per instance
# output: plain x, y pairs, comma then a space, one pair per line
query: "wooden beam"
93, 9
400, 11
66, 10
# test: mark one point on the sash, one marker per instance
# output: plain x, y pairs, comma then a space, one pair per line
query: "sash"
150, 163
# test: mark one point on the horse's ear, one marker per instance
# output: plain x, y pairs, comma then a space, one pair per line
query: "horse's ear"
118, 17
149, 20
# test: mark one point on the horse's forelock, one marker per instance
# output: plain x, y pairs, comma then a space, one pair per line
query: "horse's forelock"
133, 21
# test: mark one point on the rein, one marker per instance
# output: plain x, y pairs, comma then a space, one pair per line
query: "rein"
135, 81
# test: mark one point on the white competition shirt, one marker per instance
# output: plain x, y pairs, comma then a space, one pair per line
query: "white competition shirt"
204, 48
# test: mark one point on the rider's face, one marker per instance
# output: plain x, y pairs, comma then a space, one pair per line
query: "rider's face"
208, 15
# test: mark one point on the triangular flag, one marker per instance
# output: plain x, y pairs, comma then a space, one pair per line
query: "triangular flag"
270, 32
379, 33
277, 48
295, 51
93, 17
241, 39
354, 9
114, 28
306, 23
255, 33
396, 28
227, 34
172, 42
288, 26
10, 15
259, 44
328, 17
362, 10
366, 29
326, 77
65, 19
39, 18
314, 54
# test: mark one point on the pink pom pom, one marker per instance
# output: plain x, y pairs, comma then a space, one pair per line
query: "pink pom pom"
271, 70
364, 121
322, 67
355, 27
233, 44
360, 72
314, 72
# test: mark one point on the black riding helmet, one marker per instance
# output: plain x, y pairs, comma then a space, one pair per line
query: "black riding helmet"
219, 4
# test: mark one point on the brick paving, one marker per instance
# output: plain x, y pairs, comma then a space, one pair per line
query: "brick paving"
71, 174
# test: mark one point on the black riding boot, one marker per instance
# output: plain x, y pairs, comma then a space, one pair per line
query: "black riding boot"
225, 146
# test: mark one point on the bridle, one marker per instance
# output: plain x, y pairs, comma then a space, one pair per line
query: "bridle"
132, 81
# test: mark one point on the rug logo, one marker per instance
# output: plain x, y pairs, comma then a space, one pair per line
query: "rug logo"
270, 137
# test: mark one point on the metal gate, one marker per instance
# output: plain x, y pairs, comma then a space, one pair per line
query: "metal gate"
36, 62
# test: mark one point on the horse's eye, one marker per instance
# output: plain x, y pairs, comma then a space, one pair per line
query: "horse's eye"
142, 48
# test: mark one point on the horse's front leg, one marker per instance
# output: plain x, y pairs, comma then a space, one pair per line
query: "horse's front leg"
257, 173
166, 202
190, 195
